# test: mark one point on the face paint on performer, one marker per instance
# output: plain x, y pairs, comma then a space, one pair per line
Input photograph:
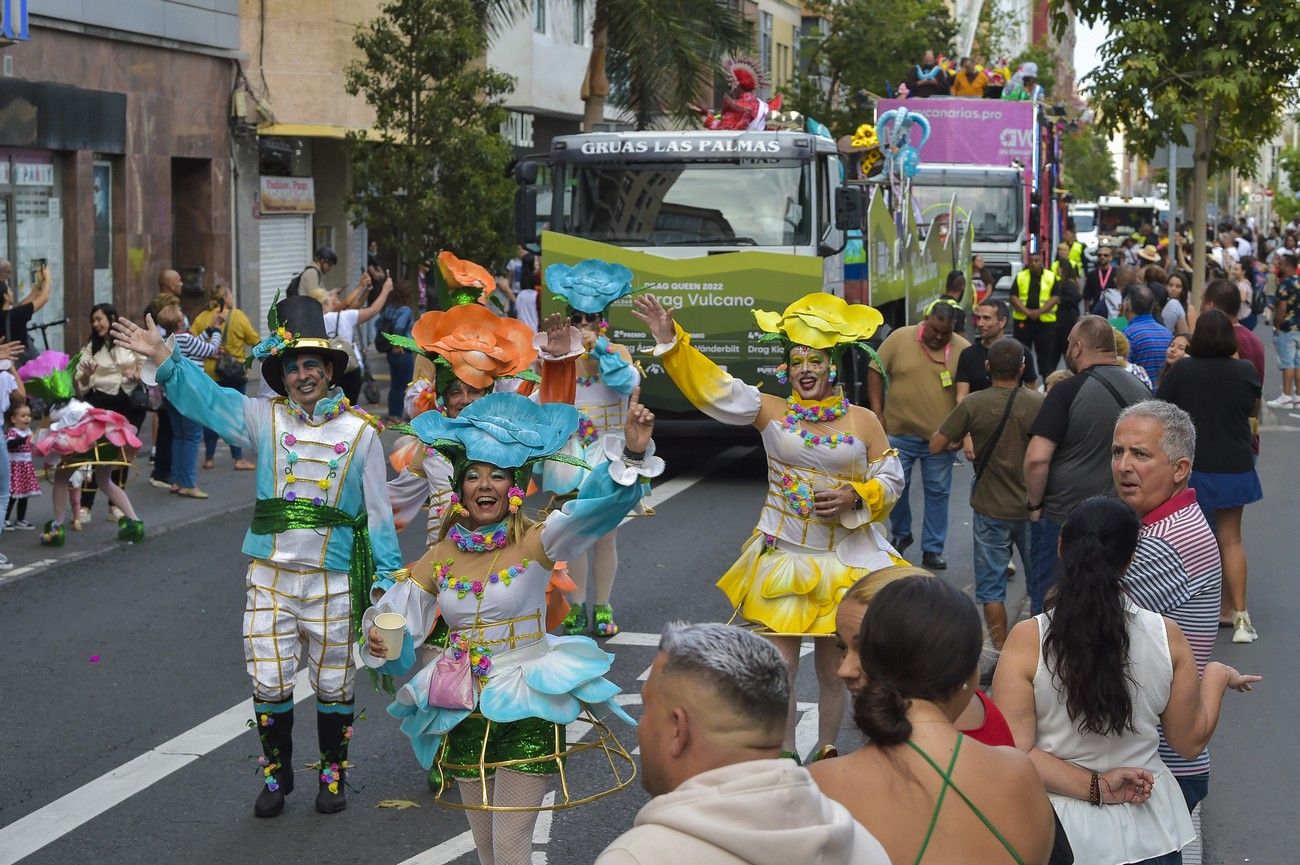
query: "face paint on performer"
810, 370
485, 493
458, 395
307, 379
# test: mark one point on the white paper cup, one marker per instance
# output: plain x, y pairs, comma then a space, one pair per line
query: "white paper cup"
392, 627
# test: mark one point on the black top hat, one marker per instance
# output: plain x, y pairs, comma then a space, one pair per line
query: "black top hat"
303, 319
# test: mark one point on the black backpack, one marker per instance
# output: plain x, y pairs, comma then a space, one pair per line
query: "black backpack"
292, 288
1258, 301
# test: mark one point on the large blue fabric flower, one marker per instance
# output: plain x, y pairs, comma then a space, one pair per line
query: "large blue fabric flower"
502, 429
589, 286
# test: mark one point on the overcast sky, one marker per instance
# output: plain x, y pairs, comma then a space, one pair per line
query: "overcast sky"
1087, 41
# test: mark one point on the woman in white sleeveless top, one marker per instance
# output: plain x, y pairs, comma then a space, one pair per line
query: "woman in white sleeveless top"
1084, 686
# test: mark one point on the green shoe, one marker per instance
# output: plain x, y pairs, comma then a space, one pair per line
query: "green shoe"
54, 535
604, 620
435, 779
130, 530
791, 755
575, 623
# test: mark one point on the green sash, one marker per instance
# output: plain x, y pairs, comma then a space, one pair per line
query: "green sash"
273, 516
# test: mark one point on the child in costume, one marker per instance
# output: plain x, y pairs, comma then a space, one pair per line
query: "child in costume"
23, 483
832, 480
80, 435
491, 711
321, 528
582, 367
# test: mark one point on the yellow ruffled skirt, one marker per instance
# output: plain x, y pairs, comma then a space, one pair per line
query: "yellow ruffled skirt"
788, 592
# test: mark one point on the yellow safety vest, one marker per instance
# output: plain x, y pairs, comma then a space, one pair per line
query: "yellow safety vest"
1076, 257
1045, 283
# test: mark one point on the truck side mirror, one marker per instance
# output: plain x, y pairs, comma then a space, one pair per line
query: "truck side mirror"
526, 216
850, 208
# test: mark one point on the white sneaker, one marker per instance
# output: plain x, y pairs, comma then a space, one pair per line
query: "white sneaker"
115, 513
83, 515
5, 564
1283, 401
1242, 630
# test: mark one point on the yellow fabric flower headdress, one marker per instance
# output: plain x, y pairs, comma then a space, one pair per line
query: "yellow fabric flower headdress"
821, 321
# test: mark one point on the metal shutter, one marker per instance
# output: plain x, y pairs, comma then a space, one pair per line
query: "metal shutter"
284, 247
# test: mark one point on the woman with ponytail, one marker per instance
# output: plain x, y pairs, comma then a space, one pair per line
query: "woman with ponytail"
922, 788
1084, 686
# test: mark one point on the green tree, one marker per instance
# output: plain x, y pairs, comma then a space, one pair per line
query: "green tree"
1227, 66
869, 49
1088, 166
651, 58
433, 174
1285, 202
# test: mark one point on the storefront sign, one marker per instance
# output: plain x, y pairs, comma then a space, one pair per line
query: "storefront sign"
288, 195
33, 174
517, 129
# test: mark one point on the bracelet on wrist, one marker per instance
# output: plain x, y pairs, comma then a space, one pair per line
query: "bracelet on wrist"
1094, 789
633, 456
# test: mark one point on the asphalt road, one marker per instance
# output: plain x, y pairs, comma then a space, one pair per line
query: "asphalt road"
126, 693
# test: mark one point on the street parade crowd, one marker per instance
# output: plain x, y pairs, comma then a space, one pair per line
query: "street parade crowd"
1120, 478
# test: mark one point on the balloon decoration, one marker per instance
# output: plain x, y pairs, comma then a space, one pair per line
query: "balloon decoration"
894, 130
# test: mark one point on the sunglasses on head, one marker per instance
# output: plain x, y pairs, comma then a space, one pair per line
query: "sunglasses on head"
585, 317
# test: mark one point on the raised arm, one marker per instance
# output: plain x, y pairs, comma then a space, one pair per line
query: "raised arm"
40, 293
369, 312
195, 394
609, 492
708, 387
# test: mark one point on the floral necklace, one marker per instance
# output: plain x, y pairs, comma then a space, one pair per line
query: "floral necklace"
486, 539
816, 413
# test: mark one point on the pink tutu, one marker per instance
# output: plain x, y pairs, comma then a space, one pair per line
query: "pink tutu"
98, 424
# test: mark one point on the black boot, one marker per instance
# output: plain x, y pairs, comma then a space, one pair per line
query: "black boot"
276, 732
333, 729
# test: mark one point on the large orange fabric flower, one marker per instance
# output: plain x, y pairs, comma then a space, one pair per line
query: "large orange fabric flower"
467, 282
479, 346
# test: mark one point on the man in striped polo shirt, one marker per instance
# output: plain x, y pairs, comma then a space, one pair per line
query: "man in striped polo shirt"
1176, 570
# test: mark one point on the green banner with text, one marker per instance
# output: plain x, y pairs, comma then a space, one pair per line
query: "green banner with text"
713, 298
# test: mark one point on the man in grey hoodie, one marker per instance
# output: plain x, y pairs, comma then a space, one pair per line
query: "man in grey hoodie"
710, 732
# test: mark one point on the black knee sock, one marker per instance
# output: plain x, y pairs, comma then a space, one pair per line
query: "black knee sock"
10, 509
22, 508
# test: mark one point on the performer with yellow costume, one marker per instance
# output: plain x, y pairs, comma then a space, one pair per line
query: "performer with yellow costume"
832, 480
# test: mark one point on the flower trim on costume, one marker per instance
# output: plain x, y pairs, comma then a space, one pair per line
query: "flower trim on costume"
515, 497
483, 540
816, 413
329, 774
462, 586
272, 345
587, 431
480, 657
625, 472
587, 381
799, 495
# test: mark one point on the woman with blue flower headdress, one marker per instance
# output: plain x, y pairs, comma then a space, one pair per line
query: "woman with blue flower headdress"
832, 480
582, 367
491, 710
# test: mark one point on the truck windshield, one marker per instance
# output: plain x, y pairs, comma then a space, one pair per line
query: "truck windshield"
994, 210
749, 203
1084, 220
1124, 220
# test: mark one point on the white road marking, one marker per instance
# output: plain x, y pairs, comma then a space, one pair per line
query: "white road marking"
45, 825
26, 569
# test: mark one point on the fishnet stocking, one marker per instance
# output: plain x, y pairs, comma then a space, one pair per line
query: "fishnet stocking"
480, 822
504, 837
831, 692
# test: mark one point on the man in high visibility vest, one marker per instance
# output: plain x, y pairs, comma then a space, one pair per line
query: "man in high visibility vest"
1033, 305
